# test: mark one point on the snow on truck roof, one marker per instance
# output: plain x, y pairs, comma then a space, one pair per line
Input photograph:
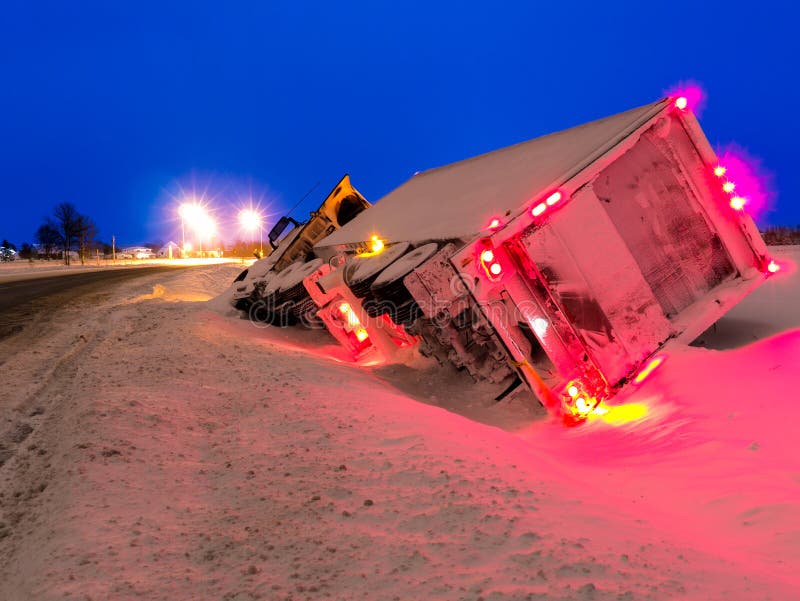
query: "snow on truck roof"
460, 199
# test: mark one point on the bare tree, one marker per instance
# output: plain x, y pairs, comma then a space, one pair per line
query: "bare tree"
47, 237
26, 251
85, 233
68, 223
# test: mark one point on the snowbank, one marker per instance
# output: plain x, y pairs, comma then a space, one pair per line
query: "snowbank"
22, 269
166, 451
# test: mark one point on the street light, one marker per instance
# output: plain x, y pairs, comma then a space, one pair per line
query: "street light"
250, 220
188, 213
204, 227
198, 220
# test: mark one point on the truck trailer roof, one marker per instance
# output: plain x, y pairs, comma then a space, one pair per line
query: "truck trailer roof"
459, 200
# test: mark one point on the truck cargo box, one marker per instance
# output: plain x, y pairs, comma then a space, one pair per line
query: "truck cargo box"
587, 252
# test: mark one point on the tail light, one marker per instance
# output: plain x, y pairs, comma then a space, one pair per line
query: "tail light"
554, 198
352, 323
737, 203
773, 267
550, 201
491, 265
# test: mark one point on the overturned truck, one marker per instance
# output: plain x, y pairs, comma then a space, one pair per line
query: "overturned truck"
569, 263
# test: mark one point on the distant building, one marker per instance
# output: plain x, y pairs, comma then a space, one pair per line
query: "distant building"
136, 252
170, 250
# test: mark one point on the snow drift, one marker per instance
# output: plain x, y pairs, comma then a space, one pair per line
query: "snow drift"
155, 449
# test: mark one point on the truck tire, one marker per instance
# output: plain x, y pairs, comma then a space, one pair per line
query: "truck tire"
361, 272
292, 290
390, 293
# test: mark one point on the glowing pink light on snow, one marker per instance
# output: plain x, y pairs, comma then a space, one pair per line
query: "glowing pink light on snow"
687, 97
753, 182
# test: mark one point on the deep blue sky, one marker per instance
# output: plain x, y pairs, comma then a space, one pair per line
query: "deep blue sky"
113, 106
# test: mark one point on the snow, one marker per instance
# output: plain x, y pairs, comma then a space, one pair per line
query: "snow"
460, 200
297, 276
156, 447
364, 267
23, 270
407, 263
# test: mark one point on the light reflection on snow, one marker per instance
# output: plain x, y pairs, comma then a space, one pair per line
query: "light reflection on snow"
619, 414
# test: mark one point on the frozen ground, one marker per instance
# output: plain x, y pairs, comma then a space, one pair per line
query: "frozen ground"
154, 447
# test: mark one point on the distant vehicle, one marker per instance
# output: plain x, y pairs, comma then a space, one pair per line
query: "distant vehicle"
7, 254
145, 254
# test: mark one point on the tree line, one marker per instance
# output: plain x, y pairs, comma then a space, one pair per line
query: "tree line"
781, 234
65, 232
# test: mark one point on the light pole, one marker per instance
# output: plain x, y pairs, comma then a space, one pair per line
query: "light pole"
185, 211
196, 218
205, 227
250, 219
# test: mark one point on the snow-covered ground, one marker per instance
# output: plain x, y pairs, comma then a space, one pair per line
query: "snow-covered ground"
22, 269
156, 447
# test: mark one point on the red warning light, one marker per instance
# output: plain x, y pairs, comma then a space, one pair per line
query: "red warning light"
490, 264
737, 203
554, 198
538, 209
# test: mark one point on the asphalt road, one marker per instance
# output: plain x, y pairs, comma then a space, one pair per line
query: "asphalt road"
22, 300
